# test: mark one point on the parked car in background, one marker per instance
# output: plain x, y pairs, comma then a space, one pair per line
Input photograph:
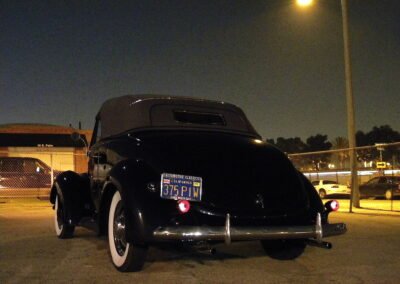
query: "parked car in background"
25, 177
329, 187
187, 171
382, 186
24, 172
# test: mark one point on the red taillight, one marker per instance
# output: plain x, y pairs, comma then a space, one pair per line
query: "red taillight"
335, 205
332, 205
183, 206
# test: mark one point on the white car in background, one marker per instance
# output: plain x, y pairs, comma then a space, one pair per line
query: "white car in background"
329, 187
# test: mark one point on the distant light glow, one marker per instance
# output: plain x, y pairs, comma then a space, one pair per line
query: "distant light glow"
304, 3
344, 173
258, 141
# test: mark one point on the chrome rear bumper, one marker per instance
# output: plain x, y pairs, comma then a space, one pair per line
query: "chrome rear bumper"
229, 234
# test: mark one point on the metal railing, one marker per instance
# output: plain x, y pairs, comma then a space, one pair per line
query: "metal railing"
378, 171
31, 173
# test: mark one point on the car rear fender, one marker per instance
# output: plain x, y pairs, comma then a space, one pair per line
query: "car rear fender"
315, 202
130, 178
74, 193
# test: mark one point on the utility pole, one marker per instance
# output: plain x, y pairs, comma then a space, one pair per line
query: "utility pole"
355, 194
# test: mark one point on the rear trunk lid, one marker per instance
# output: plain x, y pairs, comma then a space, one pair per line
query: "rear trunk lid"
240, 175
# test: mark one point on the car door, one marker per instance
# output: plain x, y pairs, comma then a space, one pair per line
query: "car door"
385, 183
44, 173
392, 183
16, 173
98, 164
93, 176
30, 175
380, 187
367, 189
329, 186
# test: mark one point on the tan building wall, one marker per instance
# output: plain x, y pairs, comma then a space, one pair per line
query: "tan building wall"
60, 158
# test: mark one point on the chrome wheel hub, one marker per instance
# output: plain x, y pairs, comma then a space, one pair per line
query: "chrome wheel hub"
119, 230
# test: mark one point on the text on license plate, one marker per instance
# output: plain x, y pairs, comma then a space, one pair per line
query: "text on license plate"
181, 187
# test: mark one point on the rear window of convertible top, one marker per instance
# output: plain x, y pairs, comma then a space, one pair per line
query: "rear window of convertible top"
199, 117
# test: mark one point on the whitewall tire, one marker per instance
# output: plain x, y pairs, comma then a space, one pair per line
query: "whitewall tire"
125, 256
63, 231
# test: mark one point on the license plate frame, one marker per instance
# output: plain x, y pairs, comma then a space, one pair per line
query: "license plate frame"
181, 187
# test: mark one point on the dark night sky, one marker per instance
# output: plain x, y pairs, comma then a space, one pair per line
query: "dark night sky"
283, 65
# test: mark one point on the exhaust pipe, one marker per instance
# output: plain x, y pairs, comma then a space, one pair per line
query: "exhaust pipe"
320, 244
206, 249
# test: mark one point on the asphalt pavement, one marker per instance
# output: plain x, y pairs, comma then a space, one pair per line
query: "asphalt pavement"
371, 206
31, 253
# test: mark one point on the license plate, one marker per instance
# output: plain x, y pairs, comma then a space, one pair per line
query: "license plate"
180, 187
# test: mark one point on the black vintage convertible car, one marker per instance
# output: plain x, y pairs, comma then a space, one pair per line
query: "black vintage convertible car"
182, 170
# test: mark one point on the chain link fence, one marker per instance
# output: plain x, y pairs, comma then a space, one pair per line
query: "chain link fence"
31, 173
378, 173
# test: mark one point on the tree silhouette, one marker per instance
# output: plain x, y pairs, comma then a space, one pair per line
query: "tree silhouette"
318, 142
340, 143
382, 134
289, 145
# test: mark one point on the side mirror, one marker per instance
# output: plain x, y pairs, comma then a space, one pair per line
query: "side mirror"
75, 136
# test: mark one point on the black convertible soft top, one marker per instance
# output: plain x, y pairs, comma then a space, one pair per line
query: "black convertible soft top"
120, 114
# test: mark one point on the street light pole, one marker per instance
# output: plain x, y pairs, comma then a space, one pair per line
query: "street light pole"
355, 195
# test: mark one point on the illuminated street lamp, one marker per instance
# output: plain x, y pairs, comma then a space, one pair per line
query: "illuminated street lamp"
355, 194
304, 3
